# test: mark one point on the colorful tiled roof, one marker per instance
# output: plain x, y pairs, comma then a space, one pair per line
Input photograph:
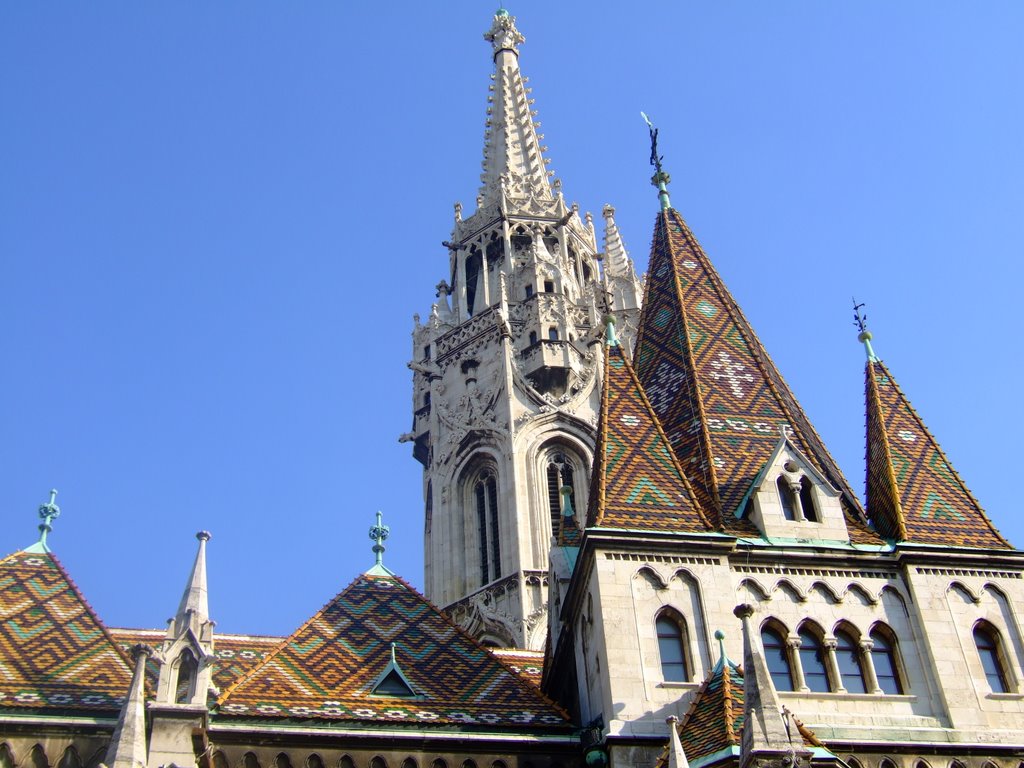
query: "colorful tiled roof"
637, 481
55, 653
529, 665
235, 654
713, 387
913, 492
714, 721
326, 669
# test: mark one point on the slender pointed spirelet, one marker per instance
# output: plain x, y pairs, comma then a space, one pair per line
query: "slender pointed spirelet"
676, 755
128, 744
195, 601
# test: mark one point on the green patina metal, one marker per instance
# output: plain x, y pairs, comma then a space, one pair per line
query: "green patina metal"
48, 512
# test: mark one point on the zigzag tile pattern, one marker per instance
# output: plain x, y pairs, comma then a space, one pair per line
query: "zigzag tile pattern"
639, 481
714, 389
55, 654
327, 668
913, 492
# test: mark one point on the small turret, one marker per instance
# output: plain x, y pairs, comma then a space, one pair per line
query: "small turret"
128, 744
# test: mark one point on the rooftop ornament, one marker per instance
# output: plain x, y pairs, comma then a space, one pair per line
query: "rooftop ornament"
48, 512
379, 534
611, 339
860, 319
503, 34
660, 179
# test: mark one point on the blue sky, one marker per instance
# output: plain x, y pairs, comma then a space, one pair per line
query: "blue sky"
216, 222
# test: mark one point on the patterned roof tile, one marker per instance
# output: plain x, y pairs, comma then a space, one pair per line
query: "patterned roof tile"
637, 481
718, 395
913, 492
325, 670
529, 665
55, 653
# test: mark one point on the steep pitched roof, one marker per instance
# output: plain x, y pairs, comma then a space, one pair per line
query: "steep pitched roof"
55, 653
718, 395
913, 492
637, 481
326, 669
714, 721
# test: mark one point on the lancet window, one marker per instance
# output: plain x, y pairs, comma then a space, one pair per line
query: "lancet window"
883, 657
561, 469
987, 640
671, 630
776, 654
485, 497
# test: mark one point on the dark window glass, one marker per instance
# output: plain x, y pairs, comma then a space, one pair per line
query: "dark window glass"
884, 658
807, 501
559, 474
492, 499
786, 497
481, 522
988, 649
812, 659
549, 286
529, 291
553, 334
777, 657
848, 657
670, 647
533, 337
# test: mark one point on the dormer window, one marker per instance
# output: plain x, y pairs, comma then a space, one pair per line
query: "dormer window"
786, 498
807, 501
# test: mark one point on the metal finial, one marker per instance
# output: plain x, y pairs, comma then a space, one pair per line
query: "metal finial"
660, 179
393, 659
48, 512
379, 533
720, 637
566, 492
860, 319
611, 339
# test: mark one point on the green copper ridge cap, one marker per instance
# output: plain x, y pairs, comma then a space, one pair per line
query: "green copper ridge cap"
610, 337
660, 179
860, 319
722, 658
379, 534
48, 512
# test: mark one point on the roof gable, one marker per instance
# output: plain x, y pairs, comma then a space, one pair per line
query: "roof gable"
637, 478
713, 387
913, 492
55, 653
328, 668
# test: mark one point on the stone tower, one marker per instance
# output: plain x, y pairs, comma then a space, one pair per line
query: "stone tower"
506, 372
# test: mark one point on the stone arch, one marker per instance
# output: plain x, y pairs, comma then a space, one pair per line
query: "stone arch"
469, 763
313, 760
282, 761
790, 589
97, 757
36, 758
346, 761
249, 760
826, 591
753, 589
409, 762
220, 760
6, 756
651, 576
480, 490
962, 591
861, 593
921, 763
959, 764
70, 759
438, 763
377, 761
887, 763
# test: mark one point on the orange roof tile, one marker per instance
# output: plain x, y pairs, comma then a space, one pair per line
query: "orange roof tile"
55, 653
327, 668
637, 481
718, 395
913, 492
529, 665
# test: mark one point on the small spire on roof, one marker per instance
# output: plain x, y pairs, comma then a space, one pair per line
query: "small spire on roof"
720, 637
567, 510
676, 755
660, 179
860, 319
379, 533
609, 325
503, 34
48, 512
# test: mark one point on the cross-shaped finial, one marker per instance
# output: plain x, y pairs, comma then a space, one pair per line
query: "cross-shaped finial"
660, 179
379, 533
860, 319
48, 512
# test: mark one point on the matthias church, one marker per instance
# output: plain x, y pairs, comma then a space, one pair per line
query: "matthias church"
639, 552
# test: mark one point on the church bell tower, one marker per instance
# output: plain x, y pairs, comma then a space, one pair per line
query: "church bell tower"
506, 372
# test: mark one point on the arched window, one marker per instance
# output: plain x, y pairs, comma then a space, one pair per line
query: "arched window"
378, 762
282, 761
6, 758
886, 763
438, 763
186, 686
553, 333
346, 762
807, 500
249, 760
987, 640
37, 758
671, 648
69, 759
468, 764
220, 760
408, 763
776, 655
786, 498
485, 494
533, 338
559, 473
883, 656
812, 659
849, 660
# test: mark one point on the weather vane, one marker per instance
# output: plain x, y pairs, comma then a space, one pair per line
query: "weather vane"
860, 319
660, 179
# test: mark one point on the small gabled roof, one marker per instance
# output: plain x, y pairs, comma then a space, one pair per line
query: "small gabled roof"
637, 482
55, 653
913, 492
716, 392
329, 666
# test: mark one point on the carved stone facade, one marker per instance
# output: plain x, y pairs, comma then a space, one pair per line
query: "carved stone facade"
505, 376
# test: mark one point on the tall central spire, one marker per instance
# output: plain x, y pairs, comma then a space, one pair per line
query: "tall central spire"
513, 155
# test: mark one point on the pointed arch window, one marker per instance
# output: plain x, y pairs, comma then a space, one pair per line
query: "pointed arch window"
987, 640
848, 658
812, 659
786, 498
776, 654
883, 656
485, 492
185, 688
559, 473
671, 648
807, 504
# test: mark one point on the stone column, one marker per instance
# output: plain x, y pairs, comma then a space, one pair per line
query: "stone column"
832, 664
799, 683
867, 664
